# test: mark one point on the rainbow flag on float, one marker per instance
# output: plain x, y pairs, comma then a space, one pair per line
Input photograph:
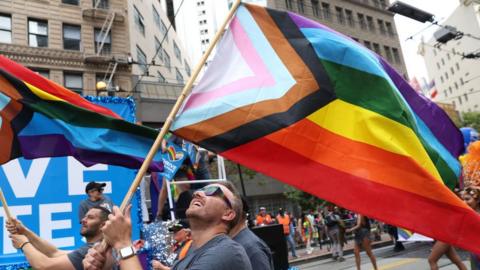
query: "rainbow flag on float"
39, 118
295, 100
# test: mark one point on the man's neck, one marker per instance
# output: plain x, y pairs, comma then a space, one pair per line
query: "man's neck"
95, 199
238, 228
202, 234
94, 239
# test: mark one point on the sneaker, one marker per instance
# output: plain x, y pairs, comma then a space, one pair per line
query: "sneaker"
341, 259
334, 257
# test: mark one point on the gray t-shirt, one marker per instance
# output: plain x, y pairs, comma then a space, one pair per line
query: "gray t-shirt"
220, 253
257, 251
85, 205
77, 256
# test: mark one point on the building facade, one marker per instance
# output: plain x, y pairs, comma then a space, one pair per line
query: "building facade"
456, 78
365, 21
78, 43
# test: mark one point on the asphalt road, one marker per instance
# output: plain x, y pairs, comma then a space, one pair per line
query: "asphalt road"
414, 257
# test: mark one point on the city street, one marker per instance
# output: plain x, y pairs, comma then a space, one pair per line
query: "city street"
414, 257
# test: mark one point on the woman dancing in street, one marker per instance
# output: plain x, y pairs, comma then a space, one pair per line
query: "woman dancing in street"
362, 239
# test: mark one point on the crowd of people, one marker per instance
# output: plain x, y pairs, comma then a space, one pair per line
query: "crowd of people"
212, 232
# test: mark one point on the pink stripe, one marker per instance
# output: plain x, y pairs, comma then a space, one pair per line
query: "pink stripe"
262, 76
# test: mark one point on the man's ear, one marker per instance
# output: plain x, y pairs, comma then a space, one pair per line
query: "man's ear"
229, 215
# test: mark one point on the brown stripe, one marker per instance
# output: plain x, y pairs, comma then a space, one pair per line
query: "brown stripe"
6, 132
306, 84
7, 89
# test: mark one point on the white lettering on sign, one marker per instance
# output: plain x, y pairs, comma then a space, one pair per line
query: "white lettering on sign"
48, 225
25, 186
16, 211
76, 182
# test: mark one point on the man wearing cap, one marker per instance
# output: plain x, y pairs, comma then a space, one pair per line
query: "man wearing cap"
263, 218
183, 241
94, 191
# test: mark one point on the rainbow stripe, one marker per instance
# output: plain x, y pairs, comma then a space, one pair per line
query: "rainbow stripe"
40, 118
295, 100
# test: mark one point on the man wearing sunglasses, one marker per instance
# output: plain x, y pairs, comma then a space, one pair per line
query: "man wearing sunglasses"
213, 212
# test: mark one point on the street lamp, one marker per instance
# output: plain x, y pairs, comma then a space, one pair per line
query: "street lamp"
411, 12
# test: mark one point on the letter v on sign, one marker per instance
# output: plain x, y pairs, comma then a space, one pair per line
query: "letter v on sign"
25, 186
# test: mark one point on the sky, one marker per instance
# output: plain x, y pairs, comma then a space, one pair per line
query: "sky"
407, 27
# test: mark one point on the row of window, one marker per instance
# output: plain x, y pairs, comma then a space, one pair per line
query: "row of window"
392, 54
38, 34
345, 16
444, 77
96, 3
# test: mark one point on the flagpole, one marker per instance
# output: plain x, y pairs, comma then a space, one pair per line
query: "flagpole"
5, 205
175, 109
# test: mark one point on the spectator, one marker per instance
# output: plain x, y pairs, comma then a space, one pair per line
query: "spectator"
96, 197
288, 230
263, 218
332, 222
43, 255
307, 232
362, 239
258, 252
183, 241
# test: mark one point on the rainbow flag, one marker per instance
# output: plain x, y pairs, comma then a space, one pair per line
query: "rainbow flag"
39, 118
293, 99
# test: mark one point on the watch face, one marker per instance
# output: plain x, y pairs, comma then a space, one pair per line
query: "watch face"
126, 252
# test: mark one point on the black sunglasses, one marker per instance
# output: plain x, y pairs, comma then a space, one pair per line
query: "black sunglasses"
217, 192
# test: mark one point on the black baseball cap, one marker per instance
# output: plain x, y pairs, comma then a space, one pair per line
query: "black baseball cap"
177, 226
94, 185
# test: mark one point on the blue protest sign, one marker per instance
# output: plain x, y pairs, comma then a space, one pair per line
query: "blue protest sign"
172, 159
45, 193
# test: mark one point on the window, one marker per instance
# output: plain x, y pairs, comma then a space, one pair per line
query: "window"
139, 20
381, 26
450, 89
70, 2
383, 4
456, 86
438, 65
177, 52
326, 11
158, 50
42, 72
396, 55
448, 56
73, 81
370, 24
178, 75
166, 59
163, 30
161, 78
356, 39
388, 53
37, 33
156, 17
465, 96
315, 9
368, 44
443, 62
288, 3
445, 93
461, 81
457, 66
187, 68
376, 48
349, 15
103, 4
340, 16
453, 103
107, 42
460, 100
142, 59
389, 29
5, 28
446, 75
441, 79
71, 37
452, 71
301, 6
361, 21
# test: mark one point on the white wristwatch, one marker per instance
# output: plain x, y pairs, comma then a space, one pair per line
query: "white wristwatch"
126, 252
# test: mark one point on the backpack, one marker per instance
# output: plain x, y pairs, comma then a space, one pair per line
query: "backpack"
330, 221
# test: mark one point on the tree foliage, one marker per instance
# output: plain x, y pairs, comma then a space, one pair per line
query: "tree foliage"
303, 199
471, 119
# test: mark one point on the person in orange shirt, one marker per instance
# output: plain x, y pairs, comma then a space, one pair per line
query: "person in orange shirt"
263, 218
284, 219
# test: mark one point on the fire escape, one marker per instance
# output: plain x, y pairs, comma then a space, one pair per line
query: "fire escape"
103, 55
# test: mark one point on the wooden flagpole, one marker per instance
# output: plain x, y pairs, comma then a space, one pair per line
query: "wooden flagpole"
5, 205
186, 90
